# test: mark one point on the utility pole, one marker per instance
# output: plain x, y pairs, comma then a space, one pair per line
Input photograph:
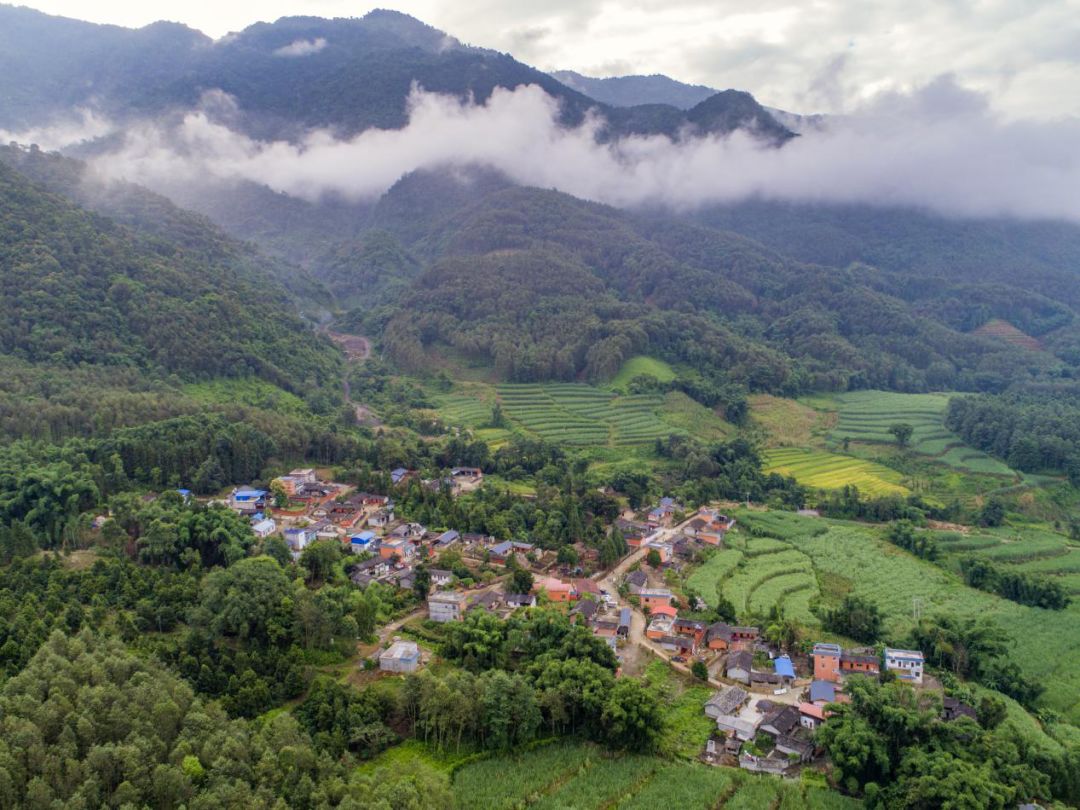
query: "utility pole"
916, 608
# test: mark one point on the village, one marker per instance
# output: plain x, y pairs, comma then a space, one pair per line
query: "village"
767, 702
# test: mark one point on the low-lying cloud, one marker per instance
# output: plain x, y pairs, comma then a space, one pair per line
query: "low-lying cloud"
81, 126
301, 47
940, 148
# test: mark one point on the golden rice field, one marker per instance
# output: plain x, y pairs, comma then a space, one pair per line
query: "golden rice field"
823, 470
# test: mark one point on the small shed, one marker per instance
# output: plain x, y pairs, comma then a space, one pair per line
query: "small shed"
401, 656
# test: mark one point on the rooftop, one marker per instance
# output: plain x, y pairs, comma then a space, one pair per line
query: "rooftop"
784, 667
447, 597
401, 649
728, 699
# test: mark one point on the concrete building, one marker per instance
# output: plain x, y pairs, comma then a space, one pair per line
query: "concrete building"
401, 656
907, 664
827, 662
446, 606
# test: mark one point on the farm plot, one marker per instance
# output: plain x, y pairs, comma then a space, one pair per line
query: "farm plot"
757, 571
458, 409
582, 777
483, 785
601, 781
899, 584
764, 545
782, 591
866, 416
714, 571
582, 415
822, 470
693, 787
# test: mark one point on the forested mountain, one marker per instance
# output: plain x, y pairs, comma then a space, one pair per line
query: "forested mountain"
518, 274
628, 91
81, 289
296, 74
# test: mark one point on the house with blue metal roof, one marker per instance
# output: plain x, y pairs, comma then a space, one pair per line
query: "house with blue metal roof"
361, 541
783, 667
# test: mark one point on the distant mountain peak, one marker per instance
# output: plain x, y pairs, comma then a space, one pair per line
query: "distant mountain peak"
633, 91
408, 28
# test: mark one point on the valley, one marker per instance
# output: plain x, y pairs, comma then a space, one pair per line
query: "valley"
388, 423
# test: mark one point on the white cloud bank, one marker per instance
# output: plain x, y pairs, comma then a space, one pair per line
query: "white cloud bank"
301, 47
82, 126
938, 148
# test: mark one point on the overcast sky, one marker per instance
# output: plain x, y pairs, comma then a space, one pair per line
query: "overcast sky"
820, 56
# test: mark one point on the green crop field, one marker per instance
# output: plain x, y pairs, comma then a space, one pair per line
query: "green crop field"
855, 558
573, 414
582, 777
715, 570
866, 416
823, 470
757, 572
464, 410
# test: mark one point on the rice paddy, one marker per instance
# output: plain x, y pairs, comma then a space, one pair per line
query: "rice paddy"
823, 470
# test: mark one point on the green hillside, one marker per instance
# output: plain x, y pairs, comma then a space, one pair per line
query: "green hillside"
79, 289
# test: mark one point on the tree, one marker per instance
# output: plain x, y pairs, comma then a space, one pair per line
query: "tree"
991, 711
992, 512
653, 558
275, 546
521, 581
901, 431
209, 478
631, 717
856, 617
320, 560
700, 670
279, 493
251, 600
567, 555
855, 749
421, 582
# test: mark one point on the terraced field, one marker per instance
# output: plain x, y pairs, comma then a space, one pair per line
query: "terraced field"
840, 557
856, 559
866, 416
823, 470
561, 777
761, 581
464, 411
581, 415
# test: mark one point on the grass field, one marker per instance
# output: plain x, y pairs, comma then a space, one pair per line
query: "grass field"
582, 777
788, 423
822, 470
642, 365
865, 416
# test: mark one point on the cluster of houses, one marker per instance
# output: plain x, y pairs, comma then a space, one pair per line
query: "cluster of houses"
706, 528
587, 605
366, 524
766, 735
763, 735
459, 481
